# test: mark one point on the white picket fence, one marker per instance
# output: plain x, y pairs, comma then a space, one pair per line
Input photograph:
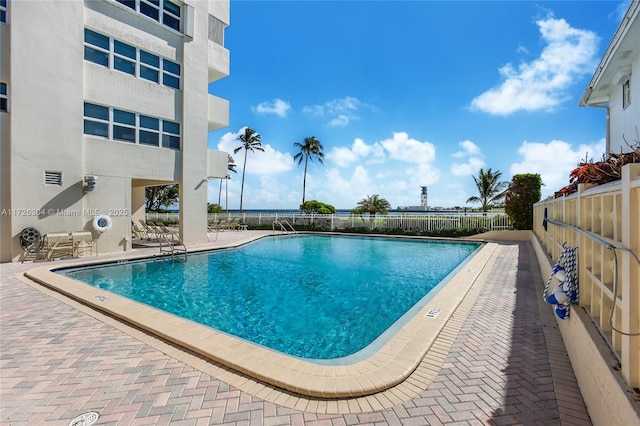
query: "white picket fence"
422, 222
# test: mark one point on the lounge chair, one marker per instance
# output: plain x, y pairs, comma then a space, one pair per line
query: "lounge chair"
83, 241
169, 233
138, 232
233, 224
149, 230
214, 227
59, 245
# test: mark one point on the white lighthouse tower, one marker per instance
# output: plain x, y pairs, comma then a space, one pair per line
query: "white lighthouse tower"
423, 197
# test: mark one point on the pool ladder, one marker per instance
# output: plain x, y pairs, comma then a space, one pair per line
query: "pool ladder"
172, 246
284, 226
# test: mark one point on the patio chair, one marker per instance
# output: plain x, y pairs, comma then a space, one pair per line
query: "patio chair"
169, 233
234, 224
59, 245
214, 227
151, 232
83, 241
138, 232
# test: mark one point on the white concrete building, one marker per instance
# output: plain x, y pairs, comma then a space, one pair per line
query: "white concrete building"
615, 85
116, 89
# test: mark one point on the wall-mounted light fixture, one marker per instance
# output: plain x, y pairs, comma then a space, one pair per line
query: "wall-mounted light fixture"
90, 183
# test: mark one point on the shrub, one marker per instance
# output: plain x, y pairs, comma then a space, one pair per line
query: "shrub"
523, 192
315, 206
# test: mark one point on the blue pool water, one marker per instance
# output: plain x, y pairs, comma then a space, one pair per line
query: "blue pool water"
317, 297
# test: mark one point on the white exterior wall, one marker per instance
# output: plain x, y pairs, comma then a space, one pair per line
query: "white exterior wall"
49, 81
46, 115
5, 152
620, 62
625, 123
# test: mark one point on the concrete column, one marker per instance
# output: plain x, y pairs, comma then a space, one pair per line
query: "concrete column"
193, 187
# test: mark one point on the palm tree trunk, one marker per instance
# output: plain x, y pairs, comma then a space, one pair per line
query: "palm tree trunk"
304, 179
244, 167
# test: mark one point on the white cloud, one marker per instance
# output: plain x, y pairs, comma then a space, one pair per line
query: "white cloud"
258, 163
344, 191
470, 168
359, 151
542, 84
403, 148
474, 161
554, 161
468, 149
341, 121
340, 112
277, 107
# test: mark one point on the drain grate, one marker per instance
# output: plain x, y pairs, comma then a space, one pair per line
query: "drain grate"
85, 419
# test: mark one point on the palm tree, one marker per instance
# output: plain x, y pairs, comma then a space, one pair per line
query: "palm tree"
490, 189
231, 167
251, 141
312, 148
373, 204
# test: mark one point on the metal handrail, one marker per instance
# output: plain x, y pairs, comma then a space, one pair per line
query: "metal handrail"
283, 228
613, 249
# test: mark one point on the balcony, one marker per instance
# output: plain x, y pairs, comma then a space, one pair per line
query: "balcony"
218, 62
218, 114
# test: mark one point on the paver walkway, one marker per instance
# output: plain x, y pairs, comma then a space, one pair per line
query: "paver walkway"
506, 366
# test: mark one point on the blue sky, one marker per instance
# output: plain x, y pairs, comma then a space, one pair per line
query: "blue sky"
406, 94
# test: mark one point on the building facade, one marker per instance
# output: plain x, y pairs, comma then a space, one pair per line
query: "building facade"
615, 85
100, 99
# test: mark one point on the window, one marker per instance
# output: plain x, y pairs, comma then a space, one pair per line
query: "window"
626, 93
170, 134
216, 30
123, 57
149, 131
171, 15
126, 126
170, 74
149, 67
96, 48
3, 11
4, 98
164, 11
96, 120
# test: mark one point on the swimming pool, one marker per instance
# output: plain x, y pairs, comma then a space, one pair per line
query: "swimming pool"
415, 346
310, 296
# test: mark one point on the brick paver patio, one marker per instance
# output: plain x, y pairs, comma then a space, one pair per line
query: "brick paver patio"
504, 364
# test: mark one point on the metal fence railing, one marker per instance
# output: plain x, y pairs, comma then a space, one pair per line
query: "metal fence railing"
409, 222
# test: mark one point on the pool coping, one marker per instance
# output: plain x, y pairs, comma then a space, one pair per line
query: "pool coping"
387, 367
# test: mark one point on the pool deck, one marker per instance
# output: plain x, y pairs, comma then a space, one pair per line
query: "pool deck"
499, 359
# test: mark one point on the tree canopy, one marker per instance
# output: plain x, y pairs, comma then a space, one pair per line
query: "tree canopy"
315, 206
158, 198
524, 191
491, 189
373, 204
